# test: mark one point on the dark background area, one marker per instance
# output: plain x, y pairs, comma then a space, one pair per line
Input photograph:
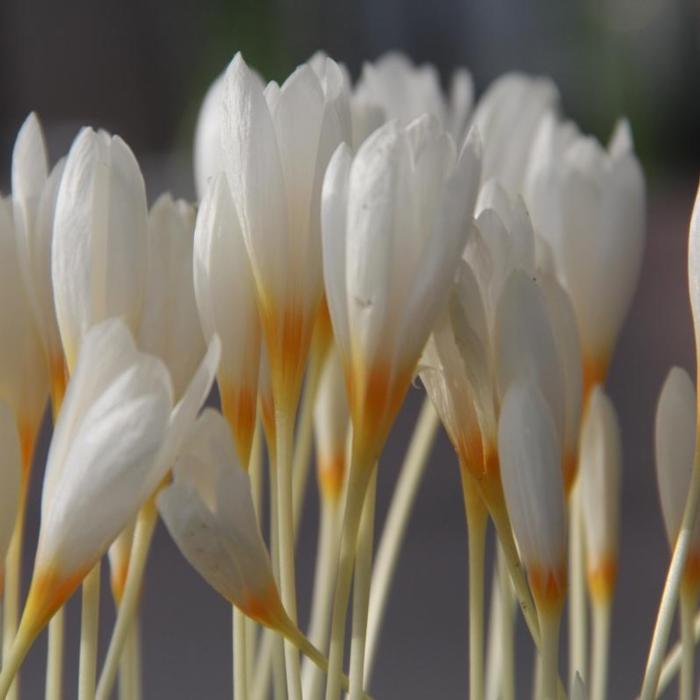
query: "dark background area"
141, 69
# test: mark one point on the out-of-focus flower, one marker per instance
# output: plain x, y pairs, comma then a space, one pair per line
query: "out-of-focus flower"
588, 203
507, 117
170, 326
532, 482
100, 246
277, 142
23, 375
331, 423
601, 471
116, 436
226, 298
395, 220
675, 433
208, 510
34, 202
406, 91
10, 477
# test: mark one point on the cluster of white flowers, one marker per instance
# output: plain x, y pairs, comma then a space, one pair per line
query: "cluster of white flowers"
346, 239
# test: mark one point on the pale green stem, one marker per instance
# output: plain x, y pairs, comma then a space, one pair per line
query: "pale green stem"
672, 586
14, 657
686, 611
255, 473
507, 624
130, 664
143, 533
54, 656
577, 591
672, 663
549, 653
285, 435
361, 590
324, 581
395, 526
601, 649
494, 661
357, 487
240, 676
89, 625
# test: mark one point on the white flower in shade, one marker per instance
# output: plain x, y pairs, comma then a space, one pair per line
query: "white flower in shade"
227, 302
100, 246
406, 91
694, 266
507, 117
115, 439
600, 475
23, 375
208, 510
208, 158
331, 423
170, 327
675, 442
395, 221
529, 451
10, 477
589, 204
277, 142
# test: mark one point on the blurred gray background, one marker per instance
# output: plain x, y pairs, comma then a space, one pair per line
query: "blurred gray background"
140, 69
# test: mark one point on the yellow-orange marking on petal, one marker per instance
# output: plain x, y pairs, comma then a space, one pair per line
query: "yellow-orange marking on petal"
239, 409
569, 469
691, 574
48, 592
602, 578
595, 370
548, 587
331, 475
265, 608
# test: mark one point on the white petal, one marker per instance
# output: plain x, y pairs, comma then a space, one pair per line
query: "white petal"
100, 242
600, 474
331, 412
675, 448
10, 471
532, 482
170, 326
694, 265
208, 158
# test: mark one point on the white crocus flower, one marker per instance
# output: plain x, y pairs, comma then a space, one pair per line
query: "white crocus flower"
100, 245
395, 220
406, 91
277, 142
589, 204
529, 450
331, 423
601, 472
170, 327
10, 477
23, 375
675, 433
208, 158
116, 436
226, 298
507, 117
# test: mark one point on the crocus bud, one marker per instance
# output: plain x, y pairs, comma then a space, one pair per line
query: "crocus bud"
100, 247
600, 473
226, 298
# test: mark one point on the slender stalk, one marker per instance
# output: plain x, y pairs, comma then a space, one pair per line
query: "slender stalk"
54, 657
549, 653
476, 534
240, 676
143, 533
494, 661
672, 586
89, 625
11, 594
130, 665
601, 649
285, 436
357, 486
395, 525
687, 607
577, 592
324, 581
507, 629
12, 660
672, 663
361, 590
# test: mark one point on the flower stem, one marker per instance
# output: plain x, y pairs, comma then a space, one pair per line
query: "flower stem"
672, 663
549, 653
285, 435
54, 657
240, 676
672, 586
601, 649
476, 533
395, 525
361, 590
143, 533
507, 629
577, 591
89, 625
687, 610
